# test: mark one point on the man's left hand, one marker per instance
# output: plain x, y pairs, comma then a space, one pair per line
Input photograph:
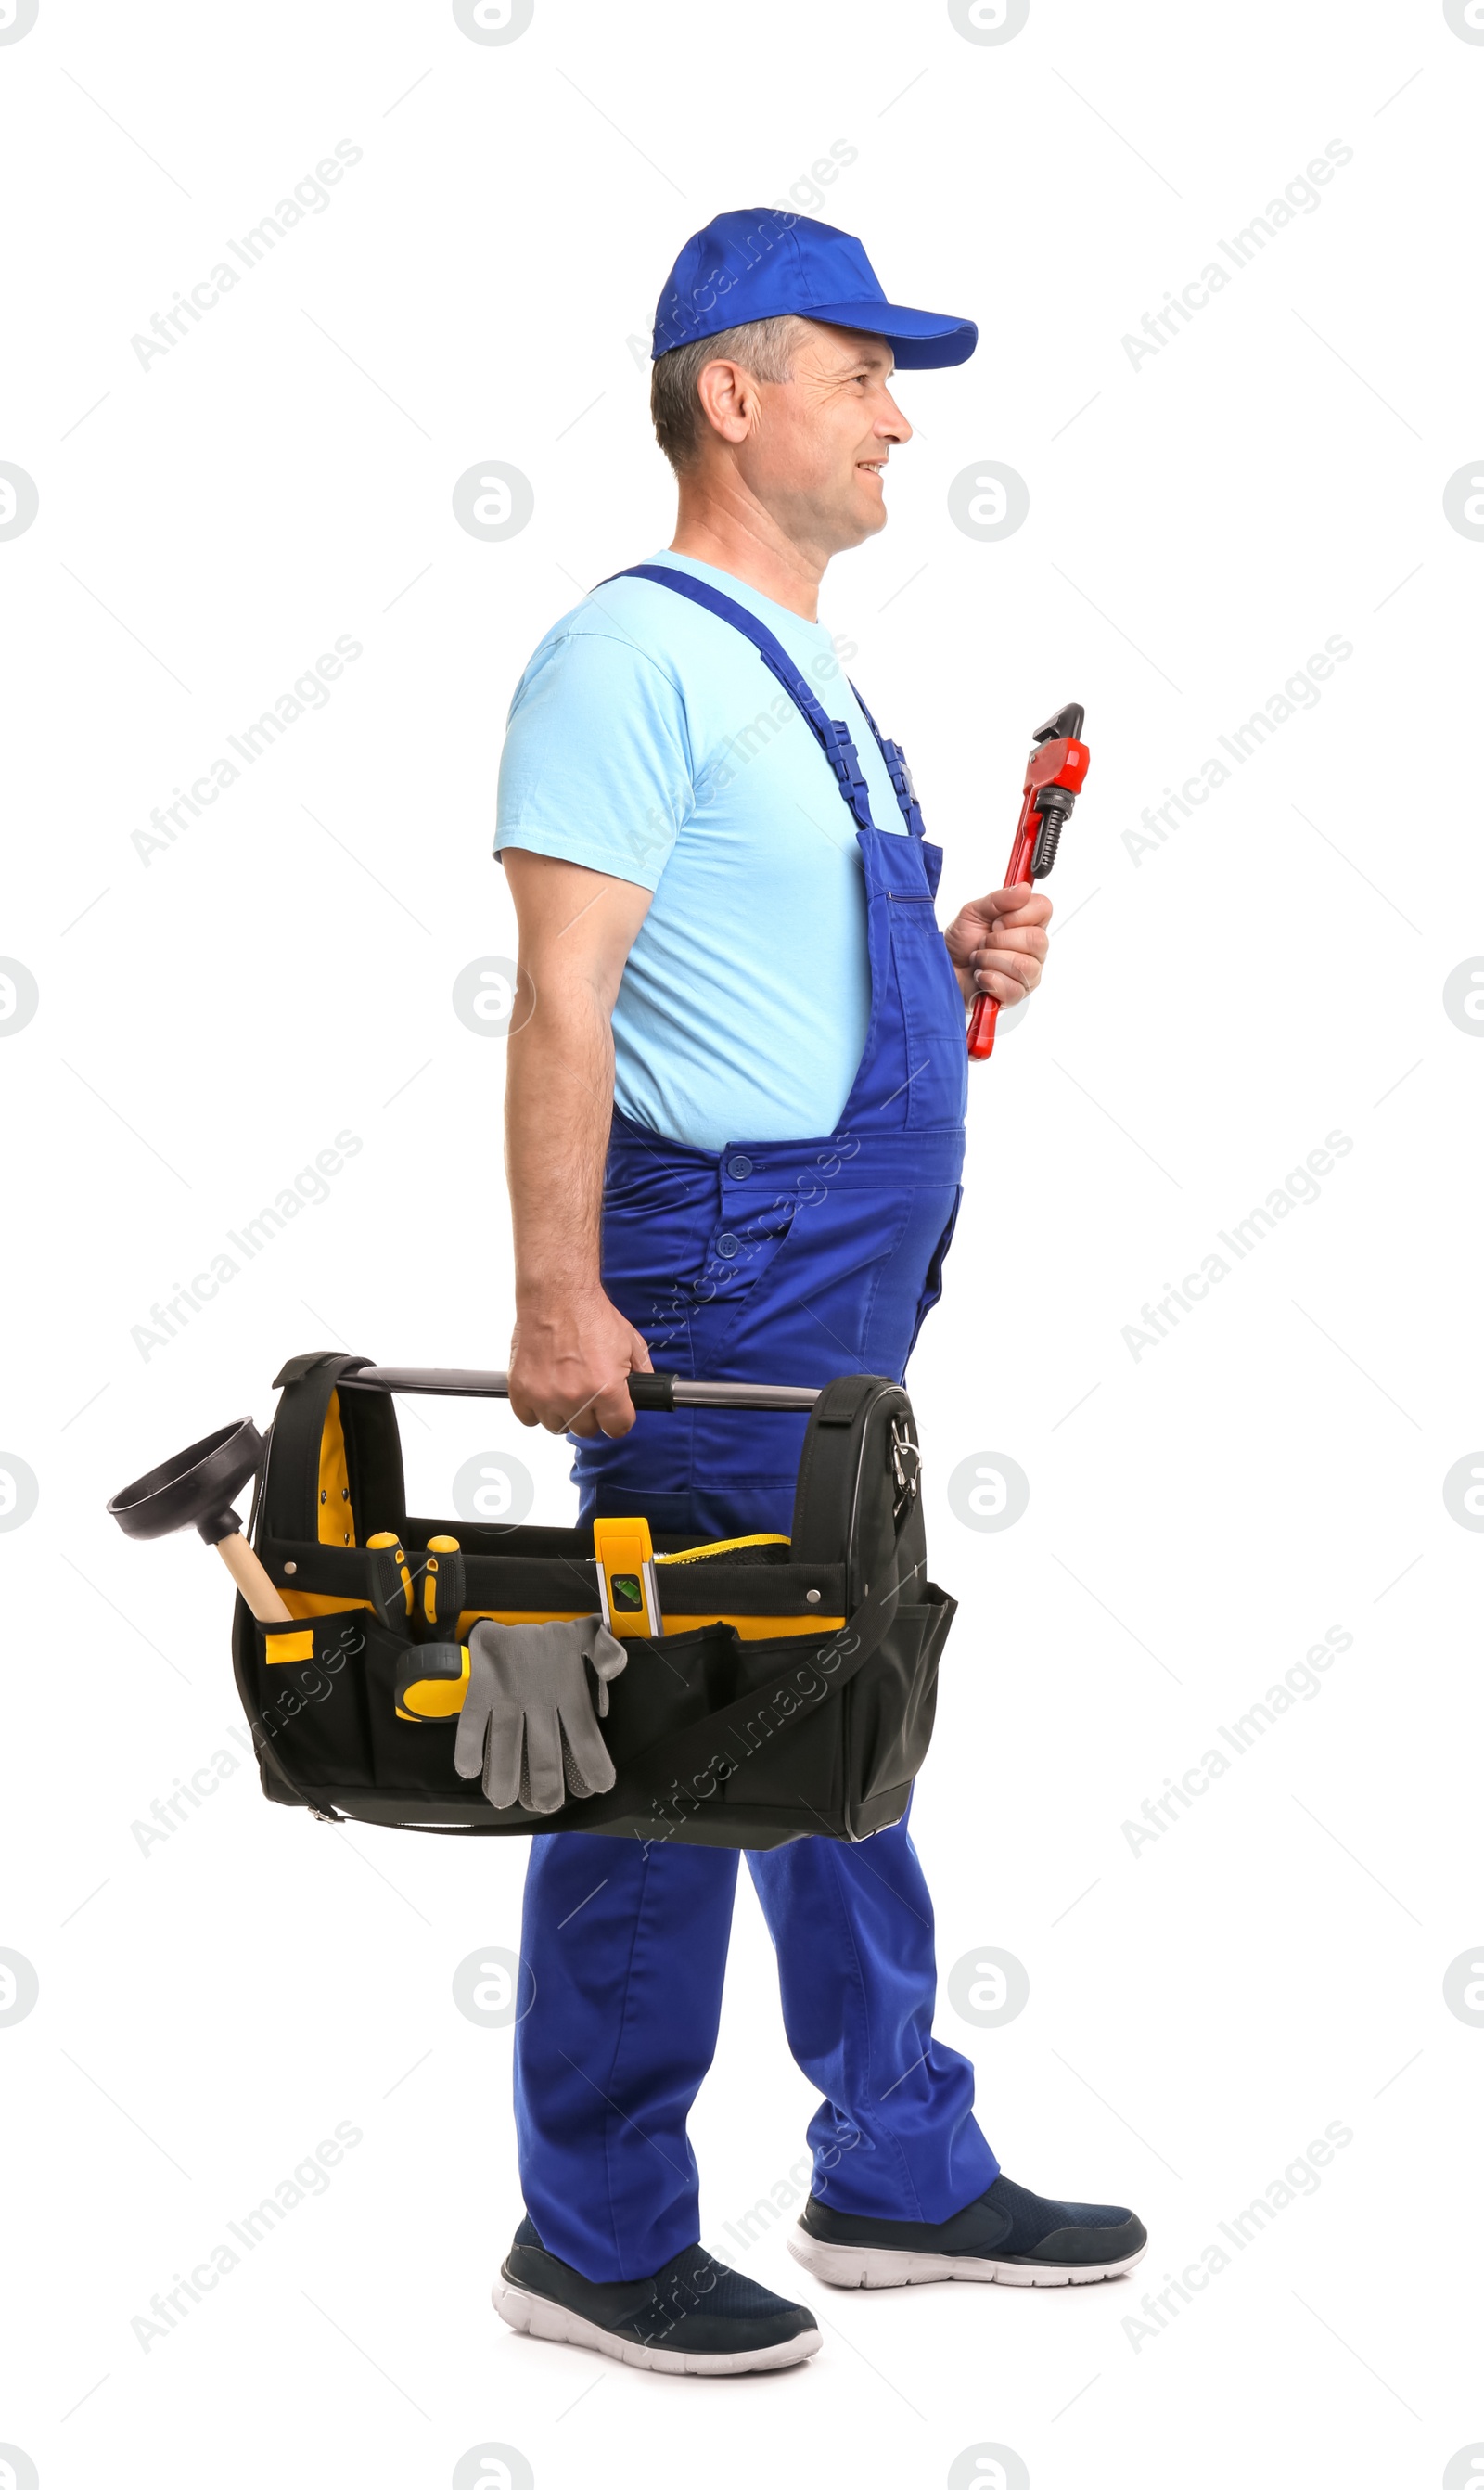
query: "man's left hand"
998, 945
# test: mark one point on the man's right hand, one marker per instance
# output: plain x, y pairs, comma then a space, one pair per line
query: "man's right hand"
569, 1367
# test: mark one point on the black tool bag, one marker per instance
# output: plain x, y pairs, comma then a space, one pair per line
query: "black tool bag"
791, 1692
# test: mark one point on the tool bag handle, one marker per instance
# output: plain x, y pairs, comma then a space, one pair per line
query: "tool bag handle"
311, 1382
663, 1391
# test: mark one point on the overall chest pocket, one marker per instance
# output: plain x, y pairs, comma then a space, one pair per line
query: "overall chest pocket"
933, 1012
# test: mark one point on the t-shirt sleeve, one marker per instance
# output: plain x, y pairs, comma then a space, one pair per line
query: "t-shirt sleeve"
597, 764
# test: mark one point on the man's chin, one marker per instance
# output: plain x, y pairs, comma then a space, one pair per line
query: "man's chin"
868, 515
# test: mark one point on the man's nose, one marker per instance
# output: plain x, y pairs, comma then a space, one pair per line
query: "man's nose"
893, 425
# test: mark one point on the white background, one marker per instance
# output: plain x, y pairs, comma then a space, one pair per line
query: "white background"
1198, 1516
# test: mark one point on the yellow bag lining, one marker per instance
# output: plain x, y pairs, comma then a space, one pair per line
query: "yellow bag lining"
336, 1520
720, 1547
314, 1604
750, 1629
756, 1629
317, 1603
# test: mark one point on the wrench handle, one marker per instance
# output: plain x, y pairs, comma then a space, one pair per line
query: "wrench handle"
986, 1007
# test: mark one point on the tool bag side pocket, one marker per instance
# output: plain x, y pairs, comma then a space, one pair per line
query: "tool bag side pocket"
889, 1710
786, 1752
409, 1757
308, 1710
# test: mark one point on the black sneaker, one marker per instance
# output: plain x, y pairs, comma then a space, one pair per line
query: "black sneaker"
694, 2318
1006, 2234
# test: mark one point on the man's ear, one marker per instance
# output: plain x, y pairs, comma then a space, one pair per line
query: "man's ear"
729, 399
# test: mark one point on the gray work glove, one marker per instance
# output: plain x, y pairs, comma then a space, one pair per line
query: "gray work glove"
527, 1725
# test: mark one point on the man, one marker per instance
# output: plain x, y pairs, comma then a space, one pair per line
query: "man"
735, 1137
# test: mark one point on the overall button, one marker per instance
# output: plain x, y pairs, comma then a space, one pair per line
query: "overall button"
740, 1166
728, 1245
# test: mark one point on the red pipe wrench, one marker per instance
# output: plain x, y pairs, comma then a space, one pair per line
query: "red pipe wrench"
1053, 781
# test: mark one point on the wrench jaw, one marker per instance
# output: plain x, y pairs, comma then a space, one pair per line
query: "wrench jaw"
1054, 806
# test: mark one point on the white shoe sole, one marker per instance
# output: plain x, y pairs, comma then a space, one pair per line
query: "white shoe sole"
860, 2269
548, 2322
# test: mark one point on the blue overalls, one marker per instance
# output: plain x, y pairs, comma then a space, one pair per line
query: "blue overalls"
785, 1262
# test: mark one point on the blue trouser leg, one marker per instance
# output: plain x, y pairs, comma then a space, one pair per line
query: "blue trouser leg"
894, 2134
628, 1949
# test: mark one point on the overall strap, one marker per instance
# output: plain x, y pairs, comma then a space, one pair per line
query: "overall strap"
831, 733
898, 774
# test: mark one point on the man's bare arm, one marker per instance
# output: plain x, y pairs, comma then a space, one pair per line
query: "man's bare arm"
572, 1350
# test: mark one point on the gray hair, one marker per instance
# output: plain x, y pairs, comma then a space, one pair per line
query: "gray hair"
766, 347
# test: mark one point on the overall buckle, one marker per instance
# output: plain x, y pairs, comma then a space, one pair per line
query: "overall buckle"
846, 761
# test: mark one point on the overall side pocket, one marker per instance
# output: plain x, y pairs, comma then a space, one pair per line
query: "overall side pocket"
932, 1282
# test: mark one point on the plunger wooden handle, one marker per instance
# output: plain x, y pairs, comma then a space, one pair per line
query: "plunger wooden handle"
251, 1576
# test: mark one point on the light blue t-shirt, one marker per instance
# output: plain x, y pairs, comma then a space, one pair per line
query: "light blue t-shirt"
649, 740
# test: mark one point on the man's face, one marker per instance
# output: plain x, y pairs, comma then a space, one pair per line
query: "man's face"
817, 454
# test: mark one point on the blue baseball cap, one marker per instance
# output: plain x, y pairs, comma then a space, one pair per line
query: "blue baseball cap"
761, 263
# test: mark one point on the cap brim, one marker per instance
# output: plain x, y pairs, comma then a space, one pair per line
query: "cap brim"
922, 340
